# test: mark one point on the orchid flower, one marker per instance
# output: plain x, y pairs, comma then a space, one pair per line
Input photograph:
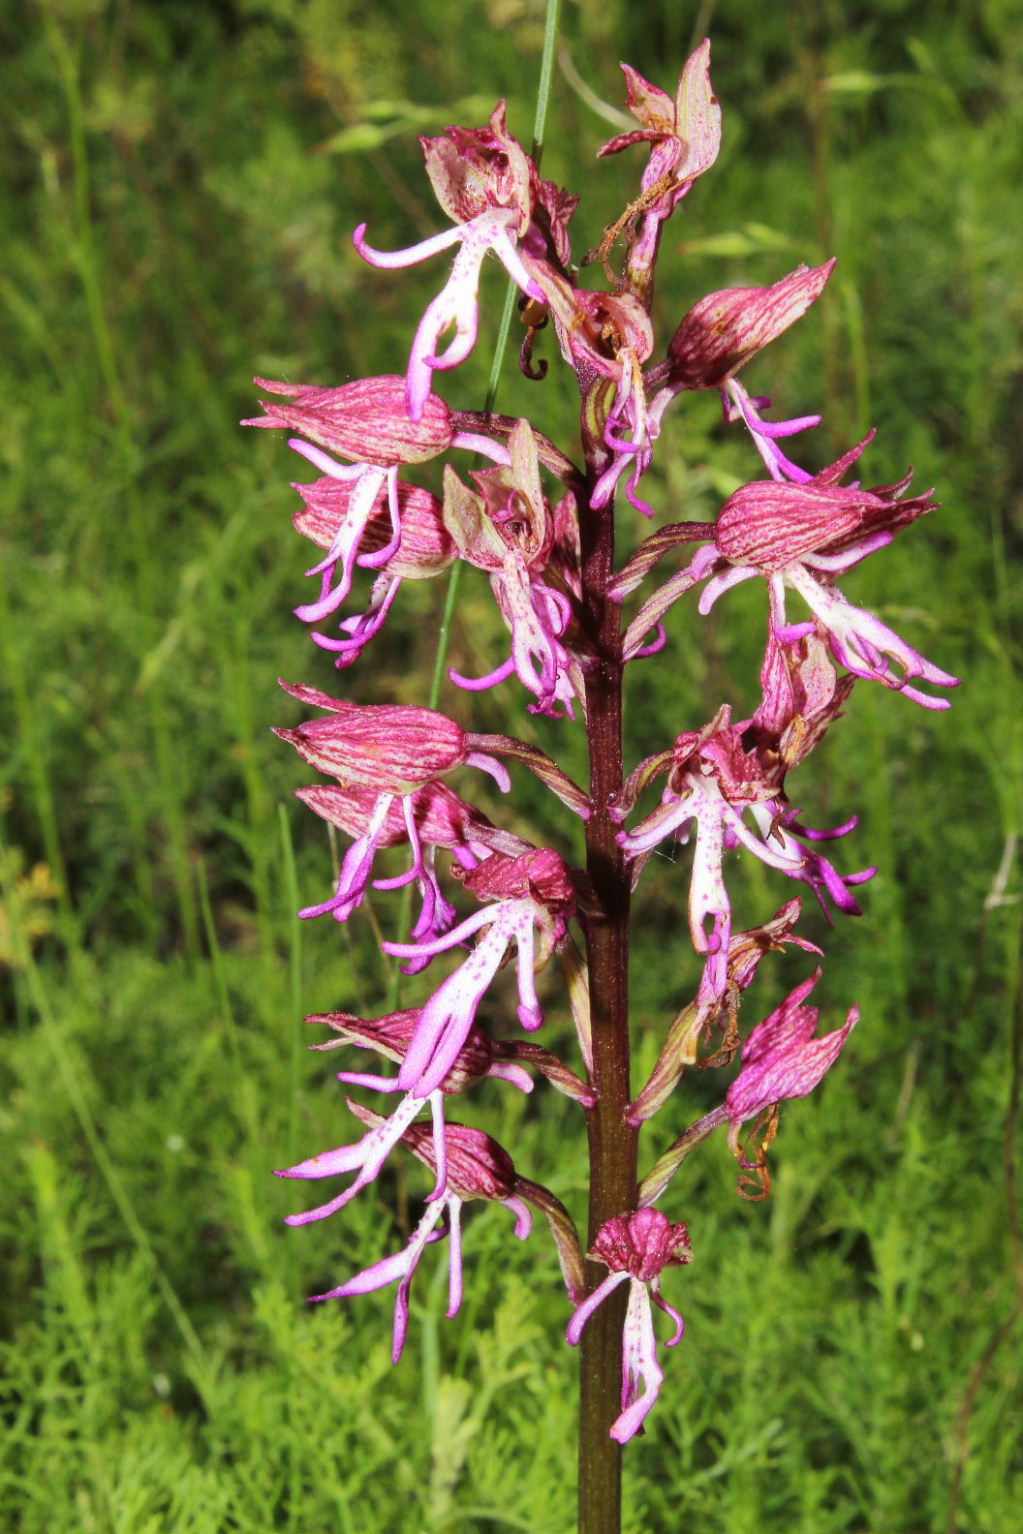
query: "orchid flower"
782, 1058
799, 537
535, 898
390, 1036
684, 134
713, 1006
336, 518
636, 1248
712, 782
719, 335
484, 181
430, 818
477, 1167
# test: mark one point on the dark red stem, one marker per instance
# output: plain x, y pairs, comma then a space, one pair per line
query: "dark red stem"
612, 1141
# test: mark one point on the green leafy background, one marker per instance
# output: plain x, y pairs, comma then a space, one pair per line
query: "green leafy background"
180, 184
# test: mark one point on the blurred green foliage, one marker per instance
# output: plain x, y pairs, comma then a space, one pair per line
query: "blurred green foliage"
181, 180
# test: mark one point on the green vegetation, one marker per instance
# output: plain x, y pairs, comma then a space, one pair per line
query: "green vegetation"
181, 182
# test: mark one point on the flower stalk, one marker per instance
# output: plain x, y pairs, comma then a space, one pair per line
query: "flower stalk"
612, 1139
